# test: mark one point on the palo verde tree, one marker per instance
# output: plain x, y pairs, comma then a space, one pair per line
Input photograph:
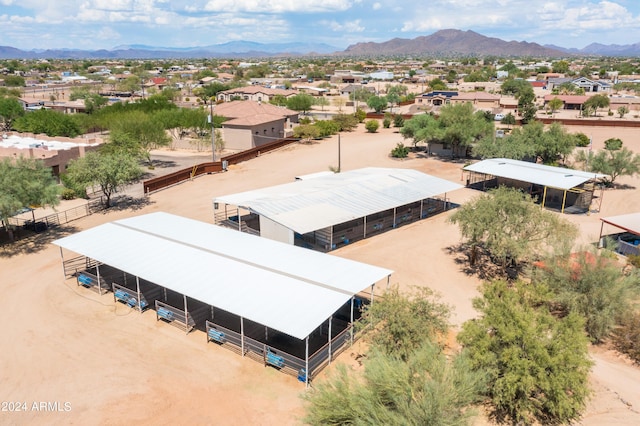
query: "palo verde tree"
594, 103
538, 365
613, 163
137, 133
25, 182
461, 127
422, 128
511, 227
110, 171
590, 284
407, 377
300, 102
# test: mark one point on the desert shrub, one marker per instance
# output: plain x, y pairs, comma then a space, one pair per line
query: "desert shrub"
634, 260
372, 126
386, 123
582, 140
398, 120
400, 151
68, 194
626, 338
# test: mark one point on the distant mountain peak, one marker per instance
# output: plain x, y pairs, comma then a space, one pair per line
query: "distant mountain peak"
447, 42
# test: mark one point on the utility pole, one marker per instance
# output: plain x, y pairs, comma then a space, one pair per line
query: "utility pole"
339, 160
213, 133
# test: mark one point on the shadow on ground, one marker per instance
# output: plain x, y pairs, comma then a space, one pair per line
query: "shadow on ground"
27, 241
485, 268
127, 202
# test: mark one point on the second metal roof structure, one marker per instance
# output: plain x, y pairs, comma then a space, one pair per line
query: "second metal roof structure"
311, 204
540, 174
286, 288
628, 222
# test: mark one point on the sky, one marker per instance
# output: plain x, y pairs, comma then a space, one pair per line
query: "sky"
105, 24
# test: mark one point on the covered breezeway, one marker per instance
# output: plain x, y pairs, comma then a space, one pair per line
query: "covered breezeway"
558, 188
287, 307
327, 211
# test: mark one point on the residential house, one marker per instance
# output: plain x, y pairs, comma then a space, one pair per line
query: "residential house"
480, 100
435, 98
254, 93
250, 124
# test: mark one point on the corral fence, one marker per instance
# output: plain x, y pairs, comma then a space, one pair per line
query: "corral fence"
279, 359
161, 182
58, 218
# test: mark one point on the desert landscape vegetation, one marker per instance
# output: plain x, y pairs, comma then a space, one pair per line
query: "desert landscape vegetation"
91, 360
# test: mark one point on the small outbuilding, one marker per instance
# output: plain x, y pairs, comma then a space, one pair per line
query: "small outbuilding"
563, 189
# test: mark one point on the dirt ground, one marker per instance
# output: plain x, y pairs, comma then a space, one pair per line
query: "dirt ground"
92, 361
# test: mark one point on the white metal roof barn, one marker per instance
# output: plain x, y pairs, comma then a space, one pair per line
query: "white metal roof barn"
556, 187
284, 288
322, 204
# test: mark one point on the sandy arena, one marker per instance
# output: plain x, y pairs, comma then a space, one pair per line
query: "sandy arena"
98, 362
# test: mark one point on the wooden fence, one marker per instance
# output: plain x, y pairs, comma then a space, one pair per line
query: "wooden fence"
165, 181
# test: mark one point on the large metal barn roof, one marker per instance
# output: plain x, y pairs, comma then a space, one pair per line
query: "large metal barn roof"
524, 171
309, 205
629, 222
287, 288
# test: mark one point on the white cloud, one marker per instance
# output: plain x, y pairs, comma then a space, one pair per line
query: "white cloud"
348, 26
377, 6
278, 6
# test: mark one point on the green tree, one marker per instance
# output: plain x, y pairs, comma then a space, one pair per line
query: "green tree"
322, 102
622, 162
507, 147
408, 378
437, 84
25, 182
430, 389
14, 81
10, 109
595, 102
49, 122
538, 365
372, 126
300, 102
622, 111
346, 122
561, 67
511, 227
401, 323
377, 103
555, 104
590, 284
461, 127
553, 143
138, 134
422, 128
281, 100
110, 171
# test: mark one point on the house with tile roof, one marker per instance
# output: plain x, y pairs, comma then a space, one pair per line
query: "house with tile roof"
250, 124
253, 93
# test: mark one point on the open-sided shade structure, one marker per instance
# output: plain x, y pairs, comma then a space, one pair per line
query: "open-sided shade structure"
628, 243
538, 179
309, 205
280, 286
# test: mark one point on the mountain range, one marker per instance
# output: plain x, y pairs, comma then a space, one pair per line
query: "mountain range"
443, 43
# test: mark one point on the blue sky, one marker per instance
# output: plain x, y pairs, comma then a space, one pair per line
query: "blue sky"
104, 24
